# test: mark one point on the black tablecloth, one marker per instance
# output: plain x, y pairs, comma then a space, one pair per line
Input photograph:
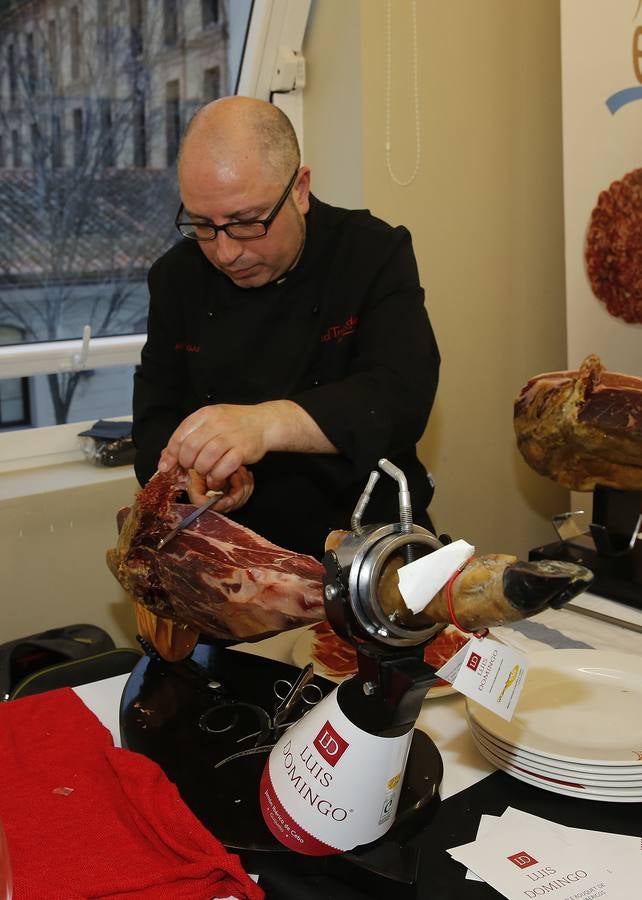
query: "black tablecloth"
447, 824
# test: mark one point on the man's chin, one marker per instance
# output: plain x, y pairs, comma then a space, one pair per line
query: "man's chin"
255, 276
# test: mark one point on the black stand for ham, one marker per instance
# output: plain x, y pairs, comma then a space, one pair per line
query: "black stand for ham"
611, 548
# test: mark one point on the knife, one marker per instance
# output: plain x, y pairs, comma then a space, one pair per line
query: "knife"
216, 496
602, 617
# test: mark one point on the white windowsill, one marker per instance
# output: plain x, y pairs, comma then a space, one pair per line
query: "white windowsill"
60, 477
44, 460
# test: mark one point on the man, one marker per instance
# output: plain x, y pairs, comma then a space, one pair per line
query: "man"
288, 345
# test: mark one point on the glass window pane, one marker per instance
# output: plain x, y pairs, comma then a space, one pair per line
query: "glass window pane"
88, 142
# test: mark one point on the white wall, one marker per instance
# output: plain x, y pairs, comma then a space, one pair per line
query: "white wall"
486, 216
52, 556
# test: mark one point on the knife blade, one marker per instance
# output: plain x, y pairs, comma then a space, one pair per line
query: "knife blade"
602, 617
216, 496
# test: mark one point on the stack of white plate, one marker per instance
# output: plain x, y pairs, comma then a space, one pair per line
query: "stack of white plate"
577, 729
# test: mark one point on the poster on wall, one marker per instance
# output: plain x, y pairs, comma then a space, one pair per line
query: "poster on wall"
602, 134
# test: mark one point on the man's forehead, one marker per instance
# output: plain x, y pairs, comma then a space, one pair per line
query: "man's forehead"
230, 196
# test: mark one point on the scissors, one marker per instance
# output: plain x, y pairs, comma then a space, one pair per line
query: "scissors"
288, 694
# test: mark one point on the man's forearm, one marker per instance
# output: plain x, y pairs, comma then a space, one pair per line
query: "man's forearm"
291, 429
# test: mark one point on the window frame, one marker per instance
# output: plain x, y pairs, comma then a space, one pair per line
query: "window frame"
272, 24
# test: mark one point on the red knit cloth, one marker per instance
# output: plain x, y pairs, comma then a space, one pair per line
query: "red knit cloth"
122, 832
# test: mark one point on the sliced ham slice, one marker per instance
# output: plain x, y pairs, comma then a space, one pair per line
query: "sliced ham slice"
216, 576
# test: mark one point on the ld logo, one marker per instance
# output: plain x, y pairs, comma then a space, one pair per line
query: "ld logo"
330, 744
473, 661
522, 859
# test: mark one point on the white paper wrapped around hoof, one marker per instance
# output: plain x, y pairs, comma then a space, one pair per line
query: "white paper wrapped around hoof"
420, 580
328, 786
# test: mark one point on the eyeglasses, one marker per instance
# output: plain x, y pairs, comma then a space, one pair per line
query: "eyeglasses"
203, 230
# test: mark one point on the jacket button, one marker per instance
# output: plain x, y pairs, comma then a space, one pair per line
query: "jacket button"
316, 382
210, 398
210, 314
316, 310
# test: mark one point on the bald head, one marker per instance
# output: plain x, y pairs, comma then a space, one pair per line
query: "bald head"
234, 129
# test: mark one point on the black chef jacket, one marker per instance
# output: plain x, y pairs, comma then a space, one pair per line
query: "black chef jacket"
344, 334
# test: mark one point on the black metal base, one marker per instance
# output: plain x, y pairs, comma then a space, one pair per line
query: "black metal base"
192, 717
616, 577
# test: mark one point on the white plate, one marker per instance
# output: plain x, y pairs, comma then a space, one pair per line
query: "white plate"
577, 706
302, 654
608, 772
555, 786
575, 776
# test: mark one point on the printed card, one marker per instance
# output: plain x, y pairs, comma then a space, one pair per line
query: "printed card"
488, 672
525, 861
601, 842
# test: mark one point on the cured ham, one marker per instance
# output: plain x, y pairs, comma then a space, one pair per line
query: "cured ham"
490, 590
583, 428
337, 658
498, 588
215, 577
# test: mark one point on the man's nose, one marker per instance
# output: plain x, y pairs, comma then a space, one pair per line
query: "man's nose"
228, 250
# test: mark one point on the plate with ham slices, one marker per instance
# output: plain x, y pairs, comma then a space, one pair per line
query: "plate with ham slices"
336, 659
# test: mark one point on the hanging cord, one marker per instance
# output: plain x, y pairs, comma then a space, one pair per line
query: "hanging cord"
415, 77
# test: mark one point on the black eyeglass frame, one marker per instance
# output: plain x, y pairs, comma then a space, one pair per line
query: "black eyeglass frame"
266, 222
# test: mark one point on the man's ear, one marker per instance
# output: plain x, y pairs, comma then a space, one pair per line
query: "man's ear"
301, 190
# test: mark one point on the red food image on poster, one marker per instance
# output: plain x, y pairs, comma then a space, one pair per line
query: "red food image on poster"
614, 248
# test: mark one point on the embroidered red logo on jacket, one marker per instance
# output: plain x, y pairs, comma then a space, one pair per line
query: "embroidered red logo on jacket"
183, 347
338, 332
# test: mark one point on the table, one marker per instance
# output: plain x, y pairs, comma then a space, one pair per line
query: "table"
470, 785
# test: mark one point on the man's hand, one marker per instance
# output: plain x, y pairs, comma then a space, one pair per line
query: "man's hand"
217, 440
238, 489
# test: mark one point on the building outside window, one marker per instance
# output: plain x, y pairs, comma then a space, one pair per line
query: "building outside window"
95, 194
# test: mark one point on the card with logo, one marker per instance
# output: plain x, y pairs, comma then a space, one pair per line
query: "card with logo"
602, 841
488, 672
527, 862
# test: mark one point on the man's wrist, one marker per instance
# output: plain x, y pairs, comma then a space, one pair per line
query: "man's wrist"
289, 428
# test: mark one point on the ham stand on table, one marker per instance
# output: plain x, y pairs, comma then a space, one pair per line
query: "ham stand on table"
611, 548
194, 717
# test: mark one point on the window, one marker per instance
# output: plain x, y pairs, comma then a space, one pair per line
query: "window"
16, 149
106, 134
103, 32
88, 260
212, 83
172, 121
13, 79
78, 137
52, 52
170, 23
31, 60
14, 392
136, 27
57, 152
36, 156
209, 12
74, 40
140, 132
